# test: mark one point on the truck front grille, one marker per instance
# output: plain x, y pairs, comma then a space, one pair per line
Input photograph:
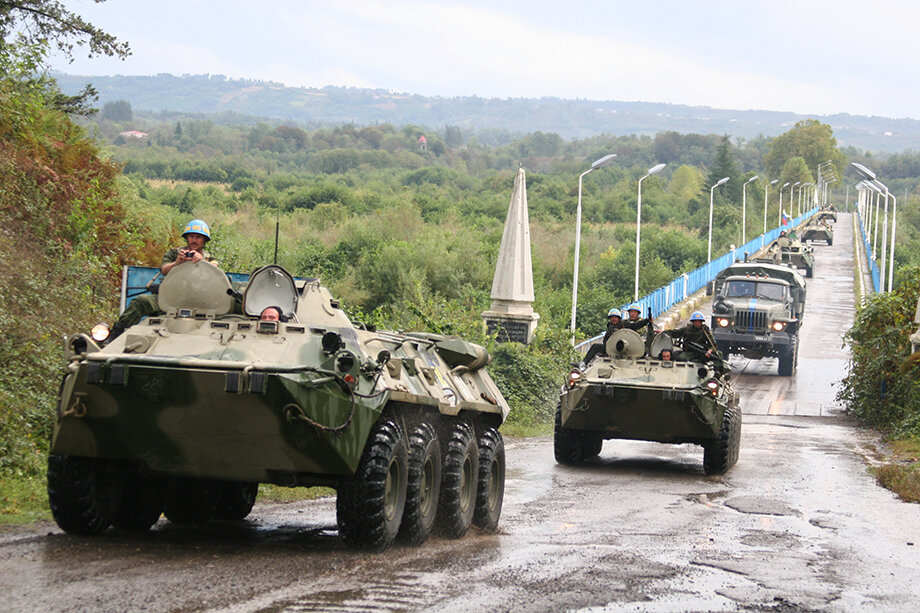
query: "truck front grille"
751, 320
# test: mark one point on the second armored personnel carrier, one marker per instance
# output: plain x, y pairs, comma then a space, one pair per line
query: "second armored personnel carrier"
629, 395
757, 310
187, 412
794, 253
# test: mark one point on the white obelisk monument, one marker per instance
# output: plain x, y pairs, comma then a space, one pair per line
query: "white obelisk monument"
511, 314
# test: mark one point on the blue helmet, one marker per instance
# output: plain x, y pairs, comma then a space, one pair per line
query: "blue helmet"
614, 313
697, 316
196, 226
634, 307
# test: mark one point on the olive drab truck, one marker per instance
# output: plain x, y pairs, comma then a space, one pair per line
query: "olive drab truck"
187, 412
757, 311
629, 394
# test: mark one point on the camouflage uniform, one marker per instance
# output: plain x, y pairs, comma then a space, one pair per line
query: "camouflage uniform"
146, 305
701, 336
601, 348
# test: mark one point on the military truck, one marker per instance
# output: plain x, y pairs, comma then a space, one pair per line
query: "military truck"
629, 395
187, 412
818, 231
794, 253
757, 311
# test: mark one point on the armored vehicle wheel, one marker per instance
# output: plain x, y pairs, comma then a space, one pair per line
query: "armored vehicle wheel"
369, 506
809, 272
721, 454
235, 500
593, 445
830, 242
424, 485
569, 446
190, 501
458, 484
491, 489
83, 493
787, 360
141, 503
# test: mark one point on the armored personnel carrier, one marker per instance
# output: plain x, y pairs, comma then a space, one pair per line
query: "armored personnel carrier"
818, 231
793, 253
757, 310
828, 214
629, 395
187, 412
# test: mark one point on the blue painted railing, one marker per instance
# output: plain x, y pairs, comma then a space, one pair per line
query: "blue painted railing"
684, 286
867, 247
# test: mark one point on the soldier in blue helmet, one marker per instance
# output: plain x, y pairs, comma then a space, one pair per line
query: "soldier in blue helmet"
196, 234
698, 342
614, 323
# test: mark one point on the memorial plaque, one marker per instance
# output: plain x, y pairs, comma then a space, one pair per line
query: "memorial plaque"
509, 330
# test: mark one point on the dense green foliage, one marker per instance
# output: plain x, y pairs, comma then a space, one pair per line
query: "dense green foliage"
882, 388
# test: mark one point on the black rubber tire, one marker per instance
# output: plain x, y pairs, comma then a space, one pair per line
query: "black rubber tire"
721, 454
369, 506
490, 491
424, 485
723, 349
235, 500
141, 503
457, 503
809, 272
830, 242
787, 360
190, 501
83, 493
568, 445
593, 444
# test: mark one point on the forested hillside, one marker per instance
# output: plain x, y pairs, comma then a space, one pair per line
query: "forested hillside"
210, 94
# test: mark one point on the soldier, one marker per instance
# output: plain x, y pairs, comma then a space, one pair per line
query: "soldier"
636, 324
271, 313
698, 343
614, 323
196, 234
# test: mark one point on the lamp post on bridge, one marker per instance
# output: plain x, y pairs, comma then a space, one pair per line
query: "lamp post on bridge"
766, 191
779, 217
792, 197
744, 209
712, 190
651, 171
599, 163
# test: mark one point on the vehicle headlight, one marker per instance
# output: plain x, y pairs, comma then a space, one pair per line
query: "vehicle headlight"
574, 377
100, 332
778, 325
722, 321
713, 386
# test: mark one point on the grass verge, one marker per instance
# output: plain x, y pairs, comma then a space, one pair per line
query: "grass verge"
903, 475
23, 500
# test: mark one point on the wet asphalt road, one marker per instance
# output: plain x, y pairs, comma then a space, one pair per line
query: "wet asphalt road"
797, 524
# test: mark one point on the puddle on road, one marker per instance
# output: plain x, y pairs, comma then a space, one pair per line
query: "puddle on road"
759, 505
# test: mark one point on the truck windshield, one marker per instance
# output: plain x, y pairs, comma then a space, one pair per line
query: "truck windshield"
753, 289
771, 291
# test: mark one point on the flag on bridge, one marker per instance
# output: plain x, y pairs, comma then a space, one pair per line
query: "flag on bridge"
786, 218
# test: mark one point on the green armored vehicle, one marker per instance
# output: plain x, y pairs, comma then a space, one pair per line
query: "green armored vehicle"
818, 231
187, 412
794, 253
628, 395
757, 310
827, 214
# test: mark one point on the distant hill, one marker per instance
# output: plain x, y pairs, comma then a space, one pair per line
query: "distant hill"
567, 118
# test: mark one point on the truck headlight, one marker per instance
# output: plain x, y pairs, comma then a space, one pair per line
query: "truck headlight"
722, 321
778, 326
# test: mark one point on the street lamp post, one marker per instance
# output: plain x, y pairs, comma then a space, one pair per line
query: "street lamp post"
600, 163
894, 225
766, 191
792, 197
744, 209
651, 171
712, 190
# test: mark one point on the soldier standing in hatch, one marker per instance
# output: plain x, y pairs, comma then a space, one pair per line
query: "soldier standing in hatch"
699, 344
614, 323
196, 235
634, 323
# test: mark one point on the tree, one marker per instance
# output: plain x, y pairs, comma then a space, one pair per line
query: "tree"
120, 110
48, 20
810, 140
686, 183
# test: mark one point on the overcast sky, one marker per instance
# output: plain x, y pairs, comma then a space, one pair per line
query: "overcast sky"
810, 57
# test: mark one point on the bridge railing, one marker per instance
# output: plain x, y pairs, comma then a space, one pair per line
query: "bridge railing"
687, 284
867, 248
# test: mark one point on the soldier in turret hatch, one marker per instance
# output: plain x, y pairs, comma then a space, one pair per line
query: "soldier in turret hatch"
614, 323
698, 342
196, 235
